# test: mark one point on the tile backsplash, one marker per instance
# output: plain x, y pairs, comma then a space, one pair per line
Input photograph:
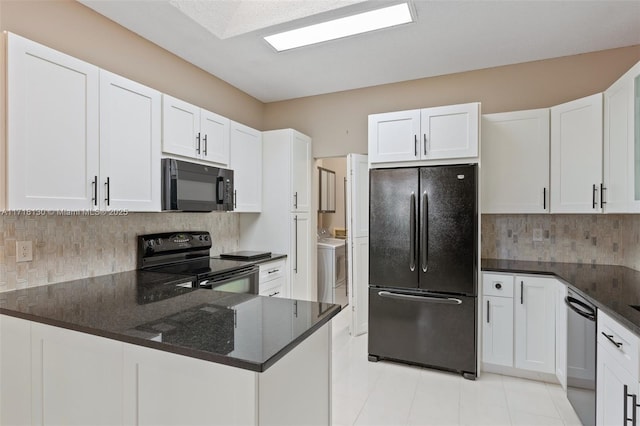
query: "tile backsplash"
67, 247
603, 239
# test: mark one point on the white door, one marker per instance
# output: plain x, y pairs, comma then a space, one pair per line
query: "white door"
246, 161
358, 241
52, 128
299, 258
180, 127
450, 131
497, 330
535, 324
130, 125
576, 156
393, 136
214, 137
300, 172
515, 162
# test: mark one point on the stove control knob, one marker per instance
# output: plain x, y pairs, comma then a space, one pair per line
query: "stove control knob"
159, 241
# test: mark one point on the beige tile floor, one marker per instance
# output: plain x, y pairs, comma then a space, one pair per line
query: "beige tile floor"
385, 393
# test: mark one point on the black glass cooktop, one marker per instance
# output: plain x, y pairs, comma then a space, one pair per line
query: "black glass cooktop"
201, 268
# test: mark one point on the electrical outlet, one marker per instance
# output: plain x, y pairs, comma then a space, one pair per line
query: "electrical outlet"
537, 234
24, 251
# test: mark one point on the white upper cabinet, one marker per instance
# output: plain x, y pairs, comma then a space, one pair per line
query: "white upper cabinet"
130, 124
393, 136
622, 144
52, 128
576, 156
246, 161
515, 162
193, 132
450, 131
437, 133
300, 172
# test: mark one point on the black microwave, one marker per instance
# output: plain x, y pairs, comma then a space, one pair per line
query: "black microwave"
192, 187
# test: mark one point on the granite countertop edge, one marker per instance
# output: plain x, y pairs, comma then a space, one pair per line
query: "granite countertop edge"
257, 367
552, 269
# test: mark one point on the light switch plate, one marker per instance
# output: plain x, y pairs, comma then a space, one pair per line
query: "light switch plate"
24, 251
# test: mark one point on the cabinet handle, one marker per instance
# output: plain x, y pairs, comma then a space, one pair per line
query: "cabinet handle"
594, 204
544, 198
610, 338
634, 405
602, 201
522, 292
205, 145
95, 190
488, 307
273, 271
273, 294
108, 199
415, 145
425, 144
295, 200
198, 143
295, 266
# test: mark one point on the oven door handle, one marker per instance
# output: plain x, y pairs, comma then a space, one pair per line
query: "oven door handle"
575, 305
221, 279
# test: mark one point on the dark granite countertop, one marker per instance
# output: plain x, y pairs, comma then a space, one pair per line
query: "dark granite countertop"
613, 289
151, 309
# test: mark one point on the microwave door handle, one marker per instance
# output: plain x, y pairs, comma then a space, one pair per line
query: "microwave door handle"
219, 190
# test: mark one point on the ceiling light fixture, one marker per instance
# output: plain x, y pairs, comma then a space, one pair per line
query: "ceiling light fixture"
343, 27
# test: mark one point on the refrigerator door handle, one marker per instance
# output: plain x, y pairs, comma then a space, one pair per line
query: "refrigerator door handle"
428, 299
412, 233
424, 246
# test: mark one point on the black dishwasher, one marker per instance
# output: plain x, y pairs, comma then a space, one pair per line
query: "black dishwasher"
581, 357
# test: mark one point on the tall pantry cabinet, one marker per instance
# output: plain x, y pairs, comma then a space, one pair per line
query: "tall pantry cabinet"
285, 225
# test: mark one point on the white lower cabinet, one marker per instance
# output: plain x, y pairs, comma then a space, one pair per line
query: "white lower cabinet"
617, 370
54, 376
519, 322
535, 342
561, 335
273, 279
497, 324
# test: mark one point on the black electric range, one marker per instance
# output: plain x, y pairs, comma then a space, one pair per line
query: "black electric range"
188, 254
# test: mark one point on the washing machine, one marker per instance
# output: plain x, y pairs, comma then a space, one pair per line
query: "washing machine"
332, 274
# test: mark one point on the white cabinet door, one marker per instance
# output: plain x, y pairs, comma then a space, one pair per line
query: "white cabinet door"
300, 257
610, 390
497, 331
163, 388
15, 371
393, 136
130, 125
535, 324
214, 137
450, 131
515, 162
576, 156
619, 144
76, 378
301, 172
246, 162
180, 127
52, 128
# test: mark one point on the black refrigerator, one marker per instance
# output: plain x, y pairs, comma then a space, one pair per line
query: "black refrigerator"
423, 266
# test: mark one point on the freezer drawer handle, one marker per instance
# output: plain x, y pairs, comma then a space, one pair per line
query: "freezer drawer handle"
446, 300
412, 232
610, 338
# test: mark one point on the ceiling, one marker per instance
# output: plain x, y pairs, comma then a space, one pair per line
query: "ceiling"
224, 37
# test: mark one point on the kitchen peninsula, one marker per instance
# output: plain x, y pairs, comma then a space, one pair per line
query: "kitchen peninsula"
140, 348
